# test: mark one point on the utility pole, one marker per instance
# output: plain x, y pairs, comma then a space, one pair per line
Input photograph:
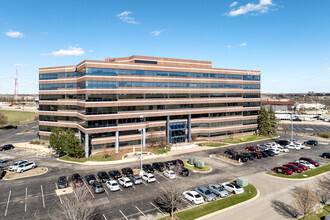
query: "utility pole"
16, 87
143, 131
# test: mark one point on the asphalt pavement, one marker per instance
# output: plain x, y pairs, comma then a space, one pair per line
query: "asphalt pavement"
23, 133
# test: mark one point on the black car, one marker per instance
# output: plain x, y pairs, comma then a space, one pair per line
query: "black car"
239, 157
90, 179
178, 163
5, 162
270, 153
230, 152
59, 154
62, 182
164, 205
283, 142
250, 156
311, 142
183, 171
127, 171
115, 174
169, 165
160, 166
10, 127
103, 176
2, 173
257, 155
326, 155
148, 168
264, 154
6, 147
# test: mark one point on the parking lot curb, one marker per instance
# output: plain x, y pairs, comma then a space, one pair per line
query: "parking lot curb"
229, 208
250, 141
297, 179
195, 171
27, 176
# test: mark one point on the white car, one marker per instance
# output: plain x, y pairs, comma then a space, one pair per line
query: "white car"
193, 196
273, 145
293, 147
284, 149
306, 163
112, 185
301, 145
148, 177
170, 174
233, 188
125, 181
25, 166
276, 150
16, 164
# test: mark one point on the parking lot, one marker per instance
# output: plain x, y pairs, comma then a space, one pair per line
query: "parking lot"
35, 197
306, 128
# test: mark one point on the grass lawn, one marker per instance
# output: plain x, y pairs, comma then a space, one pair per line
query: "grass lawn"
212, 144
16, 117
217, 205
204, 169
326, 211
247, 138
309, 173
93, 158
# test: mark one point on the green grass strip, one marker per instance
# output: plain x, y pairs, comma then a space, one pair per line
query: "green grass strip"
16, 117
247, 138
314, 216
217, 205
309, 173
204, 169
82, 160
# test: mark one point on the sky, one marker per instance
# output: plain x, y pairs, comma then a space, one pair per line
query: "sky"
287, 40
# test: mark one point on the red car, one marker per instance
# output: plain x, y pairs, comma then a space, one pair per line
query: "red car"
77, 180
310, 160
283, 170
252, 148
299, 165
257, 155
293, 167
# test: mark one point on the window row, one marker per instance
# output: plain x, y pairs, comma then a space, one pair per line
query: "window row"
48, 76
226, 123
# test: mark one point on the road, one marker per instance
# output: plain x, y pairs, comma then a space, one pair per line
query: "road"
9, 136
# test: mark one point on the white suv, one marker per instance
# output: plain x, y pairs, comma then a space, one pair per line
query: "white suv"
25, 166
125, 181
16, 165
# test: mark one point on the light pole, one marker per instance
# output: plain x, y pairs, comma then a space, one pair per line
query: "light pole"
292, 123
142, 143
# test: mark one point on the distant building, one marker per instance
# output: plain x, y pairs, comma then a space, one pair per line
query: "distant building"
304, 106
279, 106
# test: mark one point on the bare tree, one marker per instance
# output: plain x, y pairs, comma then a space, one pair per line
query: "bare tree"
170, 195
305, 200
3, 119
323, 191
76, 206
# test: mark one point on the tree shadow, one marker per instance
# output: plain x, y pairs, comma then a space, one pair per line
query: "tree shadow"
284, 209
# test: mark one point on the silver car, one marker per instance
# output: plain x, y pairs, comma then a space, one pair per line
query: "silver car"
136, 179
206, 193
218, 190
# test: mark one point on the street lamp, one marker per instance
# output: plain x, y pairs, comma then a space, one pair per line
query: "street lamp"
292, 123
142, 143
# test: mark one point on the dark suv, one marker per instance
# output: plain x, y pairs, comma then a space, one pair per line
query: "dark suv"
311, 142
10, 127
2, 173
6, 147
147, 168
160, 166
283, 142
127, 171
103, 176
115, 174
77, 180
326, 155
238, 157
182, 171
178, 163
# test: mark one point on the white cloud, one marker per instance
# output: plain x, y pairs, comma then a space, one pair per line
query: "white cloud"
262, 7
243, 44
275, 80
233, 4
19, 65
90, 51
157, 33
124, 17
71, 51
229, 46
329, 69
14, 34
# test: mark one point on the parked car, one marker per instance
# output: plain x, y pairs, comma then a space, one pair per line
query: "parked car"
326, 155
115, 174
299, 165
127, 171
283, 170
62, 182
252, 148
5, 162
77, 180
90, 179
169, 165
2, 173
182, 171
275, 150
178, 163
306, 163
25, 166
263, 147
6, 147
311, 142
257, 155
16, 164
206, 193
301, 145
283, 142
218, 190
284, 149
230, 152
125, 181
193, 197
250, 156
112, 185
148, 177
59, 154
170, 174
293, 146
159, 166
294, 168
310, 160
10, 127
136, 179
239, 157
147, 168
264, 154
165, 206
270, 153
103, 176
98, 187
233, 188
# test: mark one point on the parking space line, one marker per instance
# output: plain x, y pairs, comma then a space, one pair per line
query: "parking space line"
160, 174
8, 203
120, 188
104, 217
58, 195
157, 208
43, 198
123, 214
141, 212
88, 189
144, 183
25, 199
106, 191
189, 204
157, 181
133, 186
